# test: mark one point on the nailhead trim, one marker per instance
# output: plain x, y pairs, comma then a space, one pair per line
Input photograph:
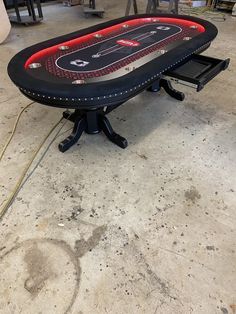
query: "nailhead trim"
116, 94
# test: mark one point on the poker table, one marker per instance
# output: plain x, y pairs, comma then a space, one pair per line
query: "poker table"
95, 70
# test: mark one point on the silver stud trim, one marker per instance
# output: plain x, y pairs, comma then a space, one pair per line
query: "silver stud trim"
162, 51
35, 65
78, 82
63, 47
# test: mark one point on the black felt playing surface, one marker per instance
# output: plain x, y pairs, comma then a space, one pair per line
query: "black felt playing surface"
109, 51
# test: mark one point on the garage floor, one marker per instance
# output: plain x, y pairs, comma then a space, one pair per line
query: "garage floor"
150, 229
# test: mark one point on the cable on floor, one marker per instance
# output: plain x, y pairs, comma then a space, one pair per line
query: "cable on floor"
45, 151
14, 129
10, 199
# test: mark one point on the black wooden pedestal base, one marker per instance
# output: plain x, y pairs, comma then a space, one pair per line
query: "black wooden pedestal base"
94, 121
166, 85
91, 122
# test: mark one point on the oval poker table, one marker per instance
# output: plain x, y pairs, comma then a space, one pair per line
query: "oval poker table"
96, 69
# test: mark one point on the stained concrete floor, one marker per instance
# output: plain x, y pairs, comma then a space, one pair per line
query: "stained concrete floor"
149, 229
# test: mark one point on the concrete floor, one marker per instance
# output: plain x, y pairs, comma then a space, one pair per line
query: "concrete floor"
98, 229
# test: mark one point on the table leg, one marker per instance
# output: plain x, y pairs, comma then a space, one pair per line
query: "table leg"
155, 87
127, 11
155, 5
91, 122
28, 8
152, 6
31, 5
176, 2
135, 7
171, 91
78, 129
17, 11
40, 12
173, 6
72, 116
109, 132
149, 6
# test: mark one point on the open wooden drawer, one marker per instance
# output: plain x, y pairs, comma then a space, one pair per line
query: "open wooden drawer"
197, 71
